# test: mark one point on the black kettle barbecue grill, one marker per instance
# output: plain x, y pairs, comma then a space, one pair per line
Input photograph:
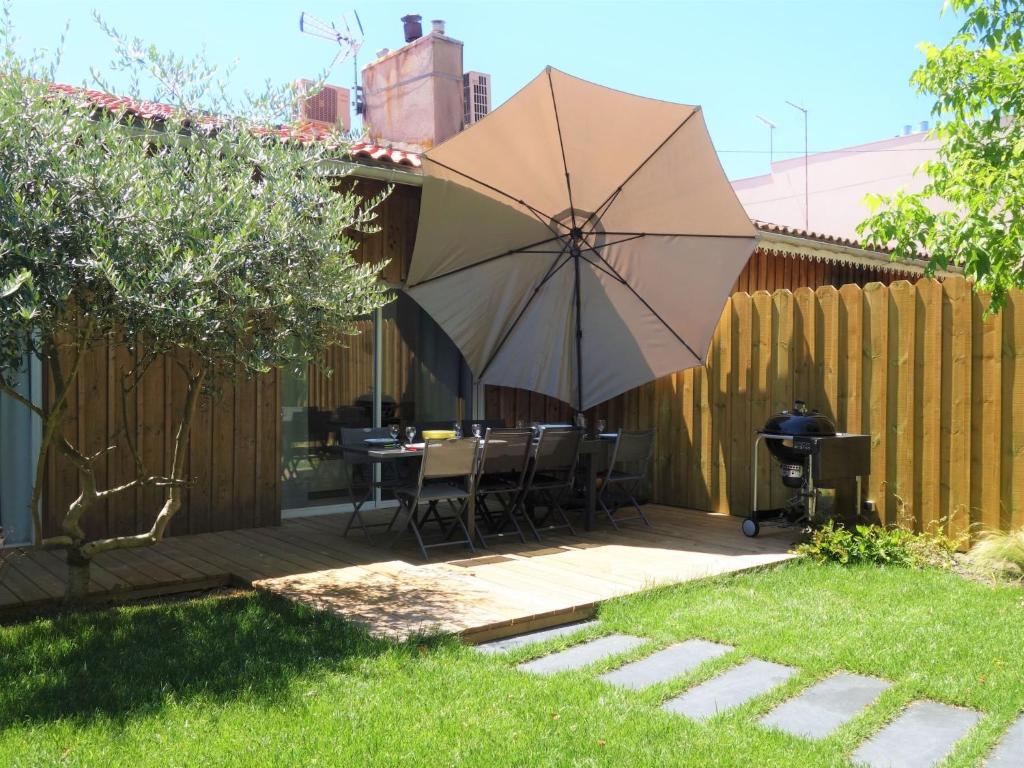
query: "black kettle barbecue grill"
811, 455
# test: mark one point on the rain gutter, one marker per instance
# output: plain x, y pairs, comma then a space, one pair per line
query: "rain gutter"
392, 175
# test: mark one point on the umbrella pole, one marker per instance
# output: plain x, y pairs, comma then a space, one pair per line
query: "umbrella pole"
579, 344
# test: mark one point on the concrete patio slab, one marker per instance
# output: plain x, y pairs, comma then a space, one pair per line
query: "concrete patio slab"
1009, 752
518, 641
666, 664
826, 705
730, 689
919, 738
582, 655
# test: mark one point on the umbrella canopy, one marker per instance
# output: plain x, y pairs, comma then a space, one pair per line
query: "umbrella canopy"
578, 241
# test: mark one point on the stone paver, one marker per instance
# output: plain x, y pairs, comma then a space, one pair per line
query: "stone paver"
826, 705
582, 655
730, 689
1009, 753
921, 737
665, 664
518, 641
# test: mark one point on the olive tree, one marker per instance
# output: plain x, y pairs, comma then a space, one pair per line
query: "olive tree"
978, 172
210, 236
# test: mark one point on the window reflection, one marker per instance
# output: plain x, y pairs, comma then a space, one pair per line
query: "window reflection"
423, 381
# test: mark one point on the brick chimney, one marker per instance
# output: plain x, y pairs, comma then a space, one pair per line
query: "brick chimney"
414, 94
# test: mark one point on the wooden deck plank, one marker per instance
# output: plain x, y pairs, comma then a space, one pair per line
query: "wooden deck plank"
499, 590
24, 589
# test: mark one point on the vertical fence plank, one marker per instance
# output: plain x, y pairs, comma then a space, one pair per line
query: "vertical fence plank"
956, 404
718, 379
850, 390
740, 395
876, 386
902, 461
781, 370
929, 373
760, 387
1012, 491
827, 350
805, 381
691, 425
986, 431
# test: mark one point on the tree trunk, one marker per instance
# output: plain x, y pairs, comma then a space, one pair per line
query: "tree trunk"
78, 575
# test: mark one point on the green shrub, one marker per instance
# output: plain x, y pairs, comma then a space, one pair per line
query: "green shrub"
877, 545
999, 554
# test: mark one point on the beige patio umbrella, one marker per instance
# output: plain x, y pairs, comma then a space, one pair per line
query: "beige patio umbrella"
578, 241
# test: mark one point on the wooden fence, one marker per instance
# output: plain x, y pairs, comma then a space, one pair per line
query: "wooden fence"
937, 384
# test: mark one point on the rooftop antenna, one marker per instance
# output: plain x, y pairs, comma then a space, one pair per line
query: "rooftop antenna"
771, 137
807, 199
348, 43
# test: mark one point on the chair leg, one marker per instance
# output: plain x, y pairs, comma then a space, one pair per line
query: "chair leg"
419, 537
527, 512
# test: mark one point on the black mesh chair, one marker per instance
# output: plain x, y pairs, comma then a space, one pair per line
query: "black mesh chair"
550, 479
501, 476
447, 473
359, 475
627, 468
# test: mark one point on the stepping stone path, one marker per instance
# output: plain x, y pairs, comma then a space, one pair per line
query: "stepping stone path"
1009, 753
730, 689
665, 664
510, 643
921, 737
582, 655
826, 705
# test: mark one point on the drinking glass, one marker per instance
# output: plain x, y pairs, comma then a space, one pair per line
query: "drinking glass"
410, 434
458, 430
477, 431
600, 425
393, 430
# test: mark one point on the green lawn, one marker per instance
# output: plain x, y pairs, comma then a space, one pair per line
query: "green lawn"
252, 681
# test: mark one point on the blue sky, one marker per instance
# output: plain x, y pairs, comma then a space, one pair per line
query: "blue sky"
847, 61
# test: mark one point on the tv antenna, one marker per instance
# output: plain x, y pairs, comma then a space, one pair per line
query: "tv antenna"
348, 43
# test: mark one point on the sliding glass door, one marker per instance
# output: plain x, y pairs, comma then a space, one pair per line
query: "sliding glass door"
402, 369
19, 444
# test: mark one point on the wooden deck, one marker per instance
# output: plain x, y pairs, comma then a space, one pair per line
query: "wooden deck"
505, 589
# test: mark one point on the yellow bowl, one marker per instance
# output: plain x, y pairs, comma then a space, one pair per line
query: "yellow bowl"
438, 434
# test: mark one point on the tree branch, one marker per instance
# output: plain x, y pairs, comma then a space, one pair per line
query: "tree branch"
15, 395
175, 482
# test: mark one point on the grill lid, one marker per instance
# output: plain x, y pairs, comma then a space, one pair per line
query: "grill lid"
800, 421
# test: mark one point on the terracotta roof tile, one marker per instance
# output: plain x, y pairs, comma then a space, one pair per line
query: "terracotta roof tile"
303, 131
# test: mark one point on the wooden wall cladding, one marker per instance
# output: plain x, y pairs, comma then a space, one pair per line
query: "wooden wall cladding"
234, 451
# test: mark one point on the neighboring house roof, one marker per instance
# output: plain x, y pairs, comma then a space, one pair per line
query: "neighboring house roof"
838, 181
303, 131
821, 237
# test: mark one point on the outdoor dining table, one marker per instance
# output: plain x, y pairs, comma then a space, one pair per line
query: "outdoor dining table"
593, 460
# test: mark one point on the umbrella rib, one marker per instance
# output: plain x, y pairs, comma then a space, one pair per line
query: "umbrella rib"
552, 270
561, 146
647, 159
642, 300
632, 236
539, 215
524, 249
597, 213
